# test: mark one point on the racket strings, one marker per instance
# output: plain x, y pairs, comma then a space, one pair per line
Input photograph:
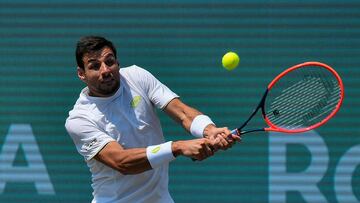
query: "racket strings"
317, 114
317, 118
291, 114
304, 97
297, 90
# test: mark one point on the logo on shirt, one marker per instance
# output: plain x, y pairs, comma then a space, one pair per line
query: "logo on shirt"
88, 146
135, 101
155, 150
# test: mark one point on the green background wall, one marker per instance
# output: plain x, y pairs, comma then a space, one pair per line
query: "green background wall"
181, 43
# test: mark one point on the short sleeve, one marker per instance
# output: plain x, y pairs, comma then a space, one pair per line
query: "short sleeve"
159, 94
88, 139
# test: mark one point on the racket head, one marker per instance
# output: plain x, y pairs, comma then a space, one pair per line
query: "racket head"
303, 98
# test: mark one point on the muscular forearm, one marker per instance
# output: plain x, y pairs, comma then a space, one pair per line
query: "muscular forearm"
181, 113
138, 160
199, 125
190, 118
126, 161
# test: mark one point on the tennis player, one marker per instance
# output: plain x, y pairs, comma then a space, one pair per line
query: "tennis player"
115, 127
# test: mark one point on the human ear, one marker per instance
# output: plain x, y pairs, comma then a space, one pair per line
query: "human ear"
81, 74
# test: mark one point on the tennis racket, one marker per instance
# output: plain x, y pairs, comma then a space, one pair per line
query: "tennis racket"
299, 99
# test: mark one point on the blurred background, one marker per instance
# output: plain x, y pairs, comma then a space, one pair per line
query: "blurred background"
181, 43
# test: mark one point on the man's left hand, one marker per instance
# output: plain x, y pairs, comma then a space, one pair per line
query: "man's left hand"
225, 139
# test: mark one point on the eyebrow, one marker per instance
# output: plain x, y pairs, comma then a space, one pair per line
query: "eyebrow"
91, 60
95, 59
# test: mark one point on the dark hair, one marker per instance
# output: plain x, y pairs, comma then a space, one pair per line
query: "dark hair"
89, 44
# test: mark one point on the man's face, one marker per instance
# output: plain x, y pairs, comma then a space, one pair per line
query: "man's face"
101, 73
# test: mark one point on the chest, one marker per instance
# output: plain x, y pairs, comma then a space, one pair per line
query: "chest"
131, 119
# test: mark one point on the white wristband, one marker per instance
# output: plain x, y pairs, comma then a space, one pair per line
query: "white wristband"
159, 154
198, 125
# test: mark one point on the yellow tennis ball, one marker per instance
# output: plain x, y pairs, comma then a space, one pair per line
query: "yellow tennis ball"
230, 61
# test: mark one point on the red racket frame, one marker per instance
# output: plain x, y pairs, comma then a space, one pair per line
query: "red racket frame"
273, 127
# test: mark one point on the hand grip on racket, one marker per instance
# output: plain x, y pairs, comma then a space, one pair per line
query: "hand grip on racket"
299, 99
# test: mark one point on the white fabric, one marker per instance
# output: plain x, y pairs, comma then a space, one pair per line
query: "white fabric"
159, 154
199, 124
129, 118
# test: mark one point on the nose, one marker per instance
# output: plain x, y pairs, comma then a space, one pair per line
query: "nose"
104, 69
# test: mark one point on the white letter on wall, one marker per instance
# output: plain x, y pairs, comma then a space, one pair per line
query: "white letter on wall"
304, 182
35, 171
344, 173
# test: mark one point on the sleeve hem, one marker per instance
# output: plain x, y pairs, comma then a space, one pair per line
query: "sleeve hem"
168, 101
100, 148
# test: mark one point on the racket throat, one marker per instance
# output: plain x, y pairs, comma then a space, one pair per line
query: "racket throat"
250, 131
240, 133
260, 105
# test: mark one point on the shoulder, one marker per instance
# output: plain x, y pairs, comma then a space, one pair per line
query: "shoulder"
134, 72
137, 77
81, 112
77, 117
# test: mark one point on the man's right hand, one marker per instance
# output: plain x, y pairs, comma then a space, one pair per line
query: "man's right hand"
198, 149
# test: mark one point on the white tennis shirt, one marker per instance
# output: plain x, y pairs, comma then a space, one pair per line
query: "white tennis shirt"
129, 118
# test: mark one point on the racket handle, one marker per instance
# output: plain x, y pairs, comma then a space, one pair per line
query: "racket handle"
229, 137
212, 149
233, 132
